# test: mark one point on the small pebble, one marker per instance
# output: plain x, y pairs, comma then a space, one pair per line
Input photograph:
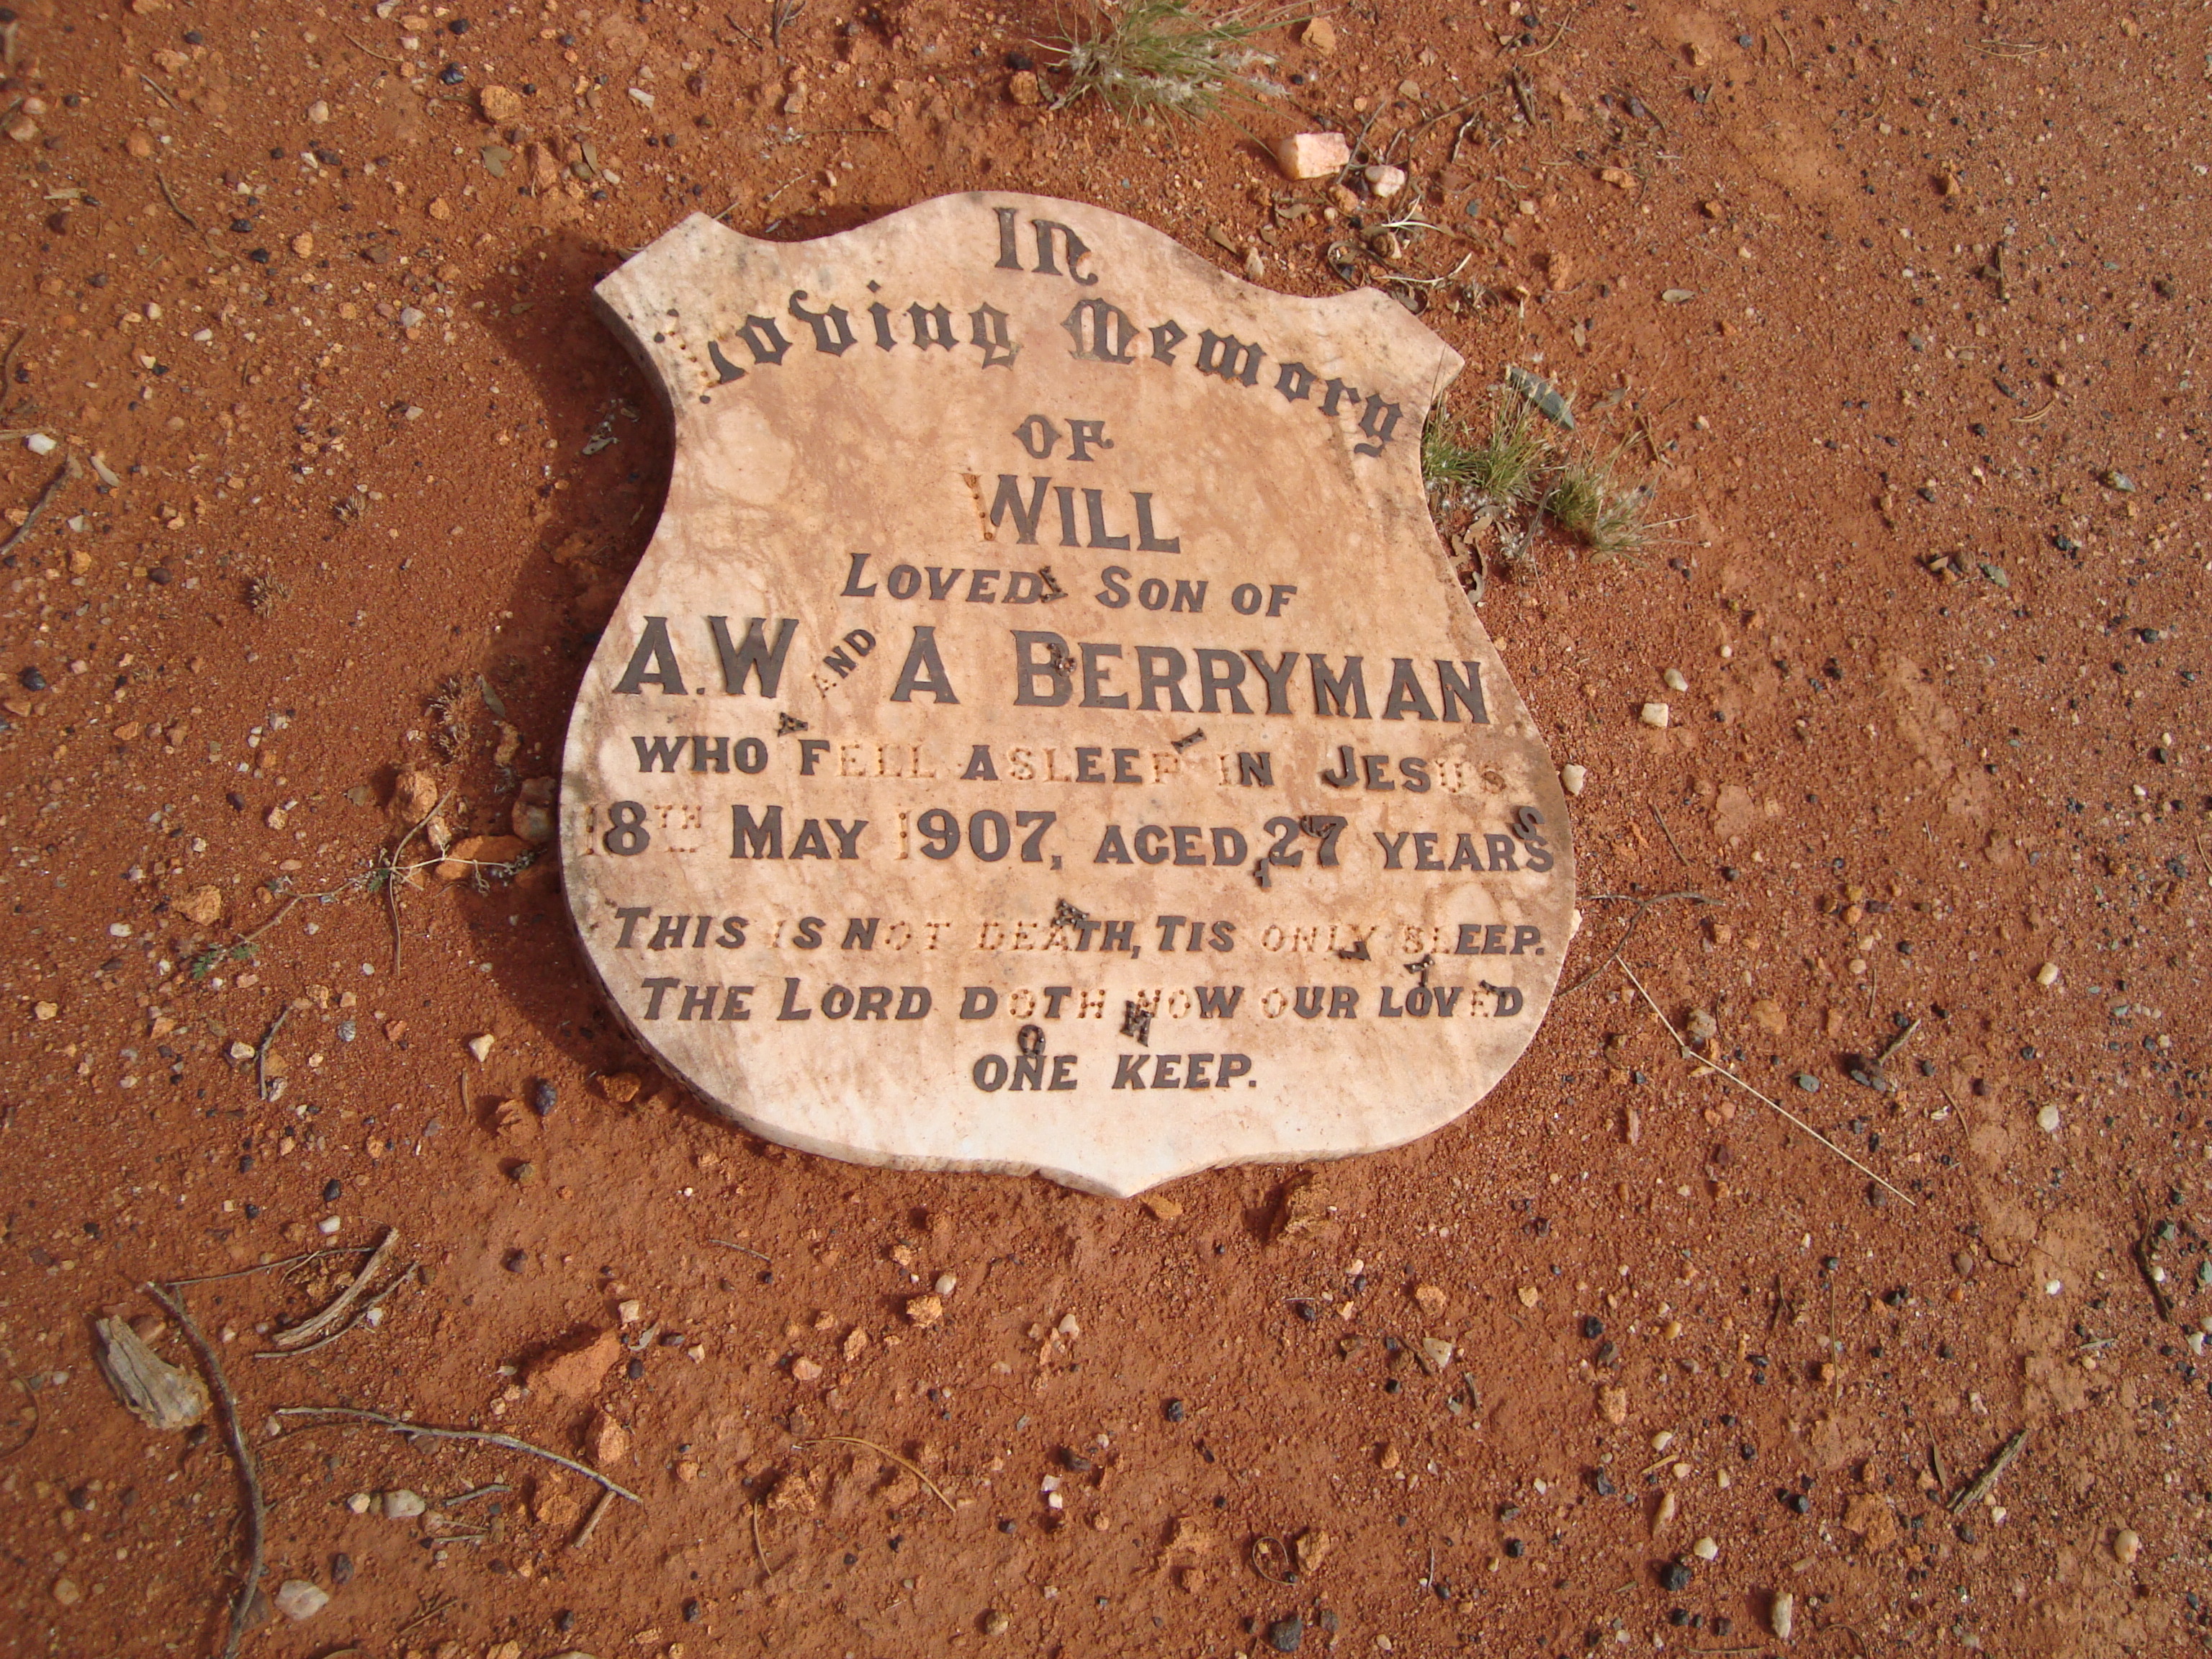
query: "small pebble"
480, 1047
402, 1505
1674, 680
946, 1284
544, 1096
524, 1173
2047, 1120
359, 1502
328, 1226
38, 444
2127, 1546
1808, 1082
1173, 1411
995, 1623
1654, 715
2047, 974
1706, 1550
1676, 1577
1287, 1635
297, 1599
1572, 778
1784, 1617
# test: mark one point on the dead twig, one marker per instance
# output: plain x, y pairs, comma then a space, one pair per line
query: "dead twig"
881, 1451
742, 1249
1263, 1546
591, 1522
2148, 1269
270, 1266
431, 1609
68, 470
1629, 931
1895, 1043
376, 1301
1669, 833
379, 55
169, 196
261, 1054
479, 1436
475, 1492
1690, 1053
781, 14
241, 1452
1979, 1487
391, 876
758, 1548
157, 90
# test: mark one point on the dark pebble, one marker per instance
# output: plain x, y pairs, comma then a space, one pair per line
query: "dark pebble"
333, 1190
31, 680
691, 1611
1173, 1411
1515, 1549
635, 1370
1808, 1082
1607, 1353
1593, 1328
1723, 1624
515, 1261
159, 575
1287, 1635
1797, 1503
245, 1163
1876, 1198
1675, 1578
240, 227
1074, 1461
452, 75
1508, 1511
80, 1497
460, 26
564, 1621
1020, 60
341, 1568
1603, 1484
1966, 1532
1678, 1616
544, 1096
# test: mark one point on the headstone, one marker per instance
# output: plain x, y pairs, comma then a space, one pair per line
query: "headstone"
1045, 733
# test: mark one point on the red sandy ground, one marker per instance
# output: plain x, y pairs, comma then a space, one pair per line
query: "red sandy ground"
1924, 789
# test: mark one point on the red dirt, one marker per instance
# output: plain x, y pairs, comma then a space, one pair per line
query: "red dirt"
1921, 789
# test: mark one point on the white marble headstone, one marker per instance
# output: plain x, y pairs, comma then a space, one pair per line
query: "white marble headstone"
1045, 732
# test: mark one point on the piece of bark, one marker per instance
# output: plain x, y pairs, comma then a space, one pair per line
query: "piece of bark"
159, 1394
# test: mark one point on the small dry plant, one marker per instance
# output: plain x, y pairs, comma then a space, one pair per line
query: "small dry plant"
1525, 470
1166, 56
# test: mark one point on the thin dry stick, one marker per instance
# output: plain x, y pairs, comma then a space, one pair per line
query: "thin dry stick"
591, 1522
170, 198
261, 1054
1669, 833
308, 1329
758, 1549
742, 1249
1628, 931
391, 875
1979, 1487
67, 472
1895, 1043
1690, 1053
157, 91
379, 55
249, 1471
885, 1451
481, 1436
270, 1266
376, 1301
